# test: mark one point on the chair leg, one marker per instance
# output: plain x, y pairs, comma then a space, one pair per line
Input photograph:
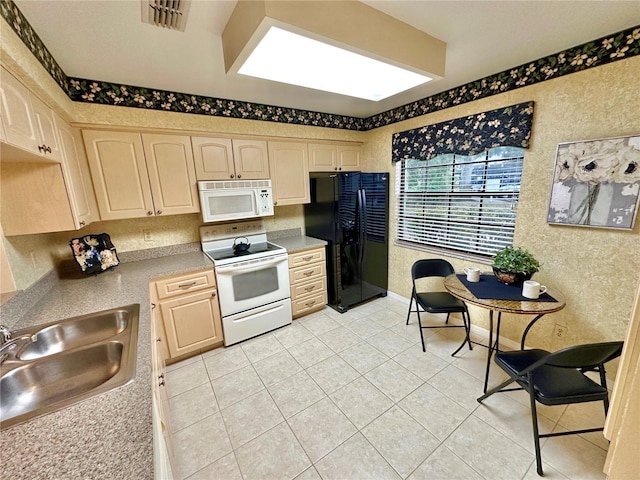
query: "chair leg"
447, 320
495, 389
420, 326
413, 292
603, 382
536, 433
468, 328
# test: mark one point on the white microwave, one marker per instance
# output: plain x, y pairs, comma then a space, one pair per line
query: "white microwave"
235, 199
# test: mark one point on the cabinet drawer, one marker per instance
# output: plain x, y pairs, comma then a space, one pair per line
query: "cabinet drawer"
304, 258
312, 287
308, 304
302, 274
192, 282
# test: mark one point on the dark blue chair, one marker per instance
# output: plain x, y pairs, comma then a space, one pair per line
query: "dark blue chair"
437, 302
557, 379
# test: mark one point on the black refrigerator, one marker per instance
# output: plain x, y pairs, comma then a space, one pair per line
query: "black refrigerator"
350, 211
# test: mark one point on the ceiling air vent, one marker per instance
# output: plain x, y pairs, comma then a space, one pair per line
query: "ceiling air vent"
166, 13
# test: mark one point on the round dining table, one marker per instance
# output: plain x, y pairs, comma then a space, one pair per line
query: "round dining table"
538, 308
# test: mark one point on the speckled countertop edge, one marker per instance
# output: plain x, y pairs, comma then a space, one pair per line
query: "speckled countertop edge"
109, 435
294, 241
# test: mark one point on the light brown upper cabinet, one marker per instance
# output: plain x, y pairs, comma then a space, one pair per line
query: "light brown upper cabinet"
137, 175
27, 122
75, 169
288, 164
224, 158
46, 197
325, 157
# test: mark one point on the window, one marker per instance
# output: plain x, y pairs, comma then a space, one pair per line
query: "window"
464, 204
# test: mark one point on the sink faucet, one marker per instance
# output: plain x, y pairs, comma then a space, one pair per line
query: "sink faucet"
5, 334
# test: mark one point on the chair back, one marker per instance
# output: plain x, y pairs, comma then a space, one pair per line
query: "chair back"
433, 267
585, 356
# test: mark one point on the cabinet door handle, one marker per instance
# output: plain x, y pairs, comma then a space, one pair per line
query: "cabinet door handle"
161, 382
309, 288
232, 175
213, 294
82, 223
187, 285
306, 259
310, 304
149, 213
306, 274
158, 339
159, 212
239, 176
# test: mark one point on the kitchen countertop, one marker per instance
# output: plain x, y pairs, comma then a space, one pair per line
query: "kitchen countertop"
298, 243
110, 435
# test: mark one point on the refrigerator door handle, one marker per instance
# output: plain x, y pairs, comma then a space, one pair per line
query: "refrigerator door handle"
363, 223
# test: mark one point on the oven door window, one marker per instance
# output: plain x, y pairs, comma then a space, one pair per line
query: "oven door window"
256, 283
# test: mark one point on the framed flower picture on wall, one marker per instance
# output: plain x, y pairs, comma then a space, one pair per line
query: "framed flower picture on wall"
596, 183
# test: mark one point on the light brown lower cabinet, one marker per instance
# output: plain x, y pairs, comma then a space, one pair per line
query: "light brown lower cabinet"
308, 279
190, 313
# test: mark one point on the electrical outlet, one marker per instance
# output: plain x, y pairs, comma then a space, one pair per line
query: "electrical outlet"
148, 237
560, 331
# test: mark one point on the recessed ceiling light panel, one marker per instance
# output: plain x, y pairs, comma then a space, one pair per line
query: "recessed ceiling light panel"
283, 56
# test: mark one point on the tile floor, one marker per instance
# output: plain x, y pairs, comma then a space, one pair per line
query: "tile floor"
353, 396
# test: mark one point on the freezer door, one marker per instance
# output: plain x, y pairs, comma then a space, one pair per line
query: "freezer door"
321, 214
348, 253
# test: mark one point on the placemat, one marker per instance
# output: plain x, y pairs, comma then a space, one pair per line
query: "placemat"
489, 288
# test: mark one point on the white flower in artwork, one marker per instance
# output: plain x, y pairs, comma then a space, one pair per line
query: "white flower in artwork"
565, 166
596, 168
628, 170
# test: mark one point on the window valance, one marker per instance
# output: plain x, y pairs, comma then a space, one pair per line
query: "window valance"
503, 127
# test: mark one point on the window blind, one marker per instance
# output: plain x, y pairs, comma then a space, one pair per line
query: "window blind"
467, 204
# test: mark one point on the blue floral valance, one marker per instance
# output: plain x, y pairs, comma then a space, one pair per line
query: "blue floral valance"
503, 127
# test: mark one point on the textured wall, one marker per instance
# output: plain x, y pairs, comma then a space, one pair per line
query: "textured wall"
597, 269
32, 256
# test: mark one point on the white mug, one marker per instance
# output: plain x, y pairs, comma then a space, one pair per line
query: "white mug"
532, 289
473, 274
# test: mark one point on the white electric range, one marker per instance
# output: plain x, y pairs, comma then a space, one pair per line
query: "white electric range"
253, 284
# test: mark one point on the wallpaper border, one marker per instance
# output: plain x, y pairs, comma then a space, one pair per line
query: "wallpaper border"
607, 49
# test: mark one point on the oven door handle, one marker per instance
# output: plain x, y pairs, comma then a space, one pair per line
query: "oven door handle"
253, 266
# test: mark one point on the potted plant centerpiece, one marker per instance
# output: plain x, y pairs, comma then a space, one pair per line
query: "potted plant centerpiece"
512, 266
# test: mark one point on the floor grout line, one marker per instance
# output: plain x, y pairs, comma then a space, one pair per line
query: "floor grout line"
448, 362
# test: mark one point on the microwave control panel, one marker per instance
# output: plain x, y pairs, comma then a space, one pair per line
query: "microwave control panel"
265, 201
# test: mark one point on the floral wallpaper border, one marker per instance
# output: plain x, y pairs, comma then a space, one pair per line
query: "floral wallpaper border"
17, 21
610, 48
503, 127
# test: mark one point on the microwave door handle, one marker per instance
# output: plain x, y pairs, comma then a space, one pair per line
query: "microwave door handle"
253, 266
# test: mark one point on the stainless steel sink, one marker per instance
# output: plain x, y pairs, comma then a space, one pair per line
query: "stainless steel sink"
51, 366
74, 333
